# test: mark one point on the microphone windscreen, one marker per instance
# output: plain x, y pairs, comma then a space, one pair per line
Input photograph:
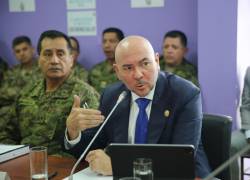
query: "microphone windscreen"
121, 97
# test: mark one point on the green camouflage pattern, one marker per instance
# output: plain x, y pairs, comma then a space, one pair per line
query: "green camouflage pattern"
185, 70
80, 72
41, 116
3, 68
16, 80
102, 75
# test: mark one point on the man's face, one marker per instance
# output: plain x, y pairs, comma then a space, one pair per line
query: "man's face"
24, 52
74, 50
173, 51
55, 58
109, 43
138, 69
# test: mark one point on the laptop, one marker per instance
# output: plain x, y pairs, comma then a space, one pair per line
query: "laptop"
170, 161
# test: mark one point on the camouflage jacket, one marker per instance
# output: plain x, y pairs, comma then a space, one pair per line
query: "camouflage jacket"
16, 80
41, 117
102, 75
80, 72
3, 68
185, 70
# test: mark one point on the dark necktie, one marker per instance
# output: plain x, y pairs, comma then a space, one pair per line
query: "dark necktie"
142, 121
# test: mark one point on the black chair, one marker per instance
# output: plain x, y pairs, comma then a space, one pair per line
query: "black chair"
216, 139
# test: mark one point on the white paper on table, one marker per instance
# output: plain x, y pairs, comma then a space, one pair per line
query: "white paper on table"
87, 174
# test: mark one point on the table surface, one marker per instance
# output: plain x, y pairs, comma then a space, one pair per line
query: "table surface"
19, 168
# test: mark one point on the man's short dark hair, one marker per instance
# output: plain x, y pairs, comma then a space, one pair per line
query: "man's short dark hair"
77, 44
21, 39
177, 34
118, 32
52, 34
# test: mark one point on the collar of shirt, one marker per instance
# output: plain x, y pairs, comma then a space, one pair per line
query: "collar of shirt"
150, 95
134, 110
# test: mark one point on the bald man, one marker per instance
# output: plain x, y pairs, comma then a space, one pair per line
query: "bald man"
137, 66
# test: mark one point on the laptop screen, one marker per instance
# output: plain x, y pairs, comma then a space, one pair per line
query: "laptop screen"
169, 161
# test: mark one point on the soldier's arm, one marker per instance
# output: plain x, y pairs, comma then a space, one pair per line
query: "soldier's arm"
9, 133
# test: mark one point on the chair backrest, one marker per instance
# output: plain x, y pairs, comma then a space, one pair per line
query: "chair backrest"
216, 139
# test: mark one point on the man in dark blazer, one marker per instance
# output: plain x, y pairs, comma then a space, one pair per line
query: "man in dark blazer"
174, 109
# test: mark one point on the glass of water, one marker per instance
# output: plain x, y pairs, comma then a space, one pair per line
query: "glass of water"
38, 163
129, 178
142, 168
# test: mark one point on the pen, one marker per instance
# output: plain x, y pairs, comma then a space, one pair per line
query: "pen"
85, 105
53, 174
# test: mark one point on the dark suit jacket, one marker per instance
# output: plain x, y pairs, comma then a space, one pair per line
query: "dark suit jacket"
182, 126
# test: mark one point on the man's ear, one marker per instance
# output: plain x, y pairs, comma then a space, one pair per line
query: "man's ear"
71, 56
157, 57
157, 60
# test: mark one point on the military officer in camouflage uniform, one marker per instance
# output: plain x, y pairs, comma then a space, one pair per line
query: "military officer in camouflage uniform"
15, 81
42, 110
23, 74
103, 74
78, 70
173, 60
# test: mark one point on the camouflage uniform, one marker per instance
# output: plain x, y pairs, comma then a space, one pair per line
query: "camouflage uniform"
42, 116
102, 75
16, 80
3, 68
185, 70
80, 72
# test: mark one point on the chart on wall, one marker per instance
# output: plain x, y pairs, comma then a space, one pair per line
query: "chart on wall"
82, 23
22, 5
146, 3
81, 17
81, 4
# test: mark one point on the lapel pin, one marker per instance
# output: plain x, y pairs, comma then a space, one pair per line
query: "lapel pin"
166, 113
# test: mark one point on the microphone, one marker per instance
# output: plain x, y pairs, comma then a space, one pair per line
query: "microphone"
120, 98
227, 163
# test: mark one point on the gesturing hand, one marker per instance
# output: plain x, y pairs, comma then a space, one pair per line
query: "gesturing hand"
80, 119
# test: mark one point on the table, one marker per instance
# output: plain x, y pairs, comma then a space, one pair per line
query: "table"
19, 168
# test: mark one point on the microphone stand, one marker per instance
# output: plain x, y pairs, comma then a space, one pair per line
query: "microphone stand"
120, 98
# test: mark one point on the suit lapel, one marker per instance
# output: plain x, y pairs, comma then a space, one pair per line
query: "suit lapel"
158, 121
121, 120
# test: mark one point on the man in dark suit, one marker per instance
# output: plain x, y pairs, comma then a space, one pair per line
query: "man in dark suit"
174, 109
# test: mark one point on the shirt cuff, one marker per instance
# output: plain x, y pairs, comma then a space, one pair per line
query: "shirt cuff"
71, 143
247, 133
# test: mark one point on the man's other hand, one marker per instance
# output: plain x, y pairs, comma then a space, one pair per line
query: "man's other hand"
99, 162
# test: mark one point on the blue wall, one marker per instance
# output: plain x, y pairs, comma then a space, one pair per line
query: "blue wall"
149, 22
217, 40
214, 21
